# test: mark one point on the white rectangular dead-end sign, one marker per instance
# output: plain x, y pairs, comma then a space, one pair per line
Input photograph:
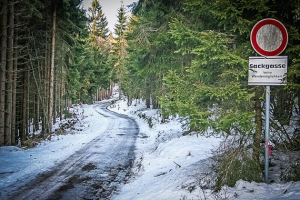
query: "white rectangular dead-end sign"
267, 70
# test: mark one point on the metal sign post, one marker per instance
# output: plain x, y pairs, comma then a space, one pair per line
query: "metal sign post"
268, 38
267, 116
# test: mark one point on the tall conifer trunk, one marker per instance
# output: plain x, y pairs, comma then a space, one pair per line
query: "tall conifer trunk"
36, 113
2, 71
14, 92
44, 100
9, 76
54, 111
25, 103
60, 108
120, 89
51, 75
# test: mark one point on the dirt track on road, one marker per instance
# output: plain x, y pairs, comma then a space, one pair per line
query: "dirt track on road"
94, 171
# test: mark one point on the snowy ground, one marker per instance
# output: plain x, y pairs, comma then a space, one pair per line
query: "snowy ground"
168, 165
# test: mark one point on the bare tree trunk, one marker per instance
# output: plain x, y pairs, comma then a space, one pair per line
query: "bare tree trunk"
104, 94
28, 121
9, 76
100, 98
148, 95
54, 102
25, 104
51, 76
129, 100
148, 102
2, 72
111, 86
58, 95
36, 113
63, 104
43, 99
14, 93
154, 103
100, 94
120, 90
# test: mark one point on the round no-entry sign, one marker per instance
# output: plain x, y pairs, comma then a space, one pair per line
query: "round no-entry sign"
269, 37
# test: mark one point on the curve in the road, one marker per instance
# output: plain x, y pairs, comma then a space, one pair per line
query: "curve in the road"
94, 171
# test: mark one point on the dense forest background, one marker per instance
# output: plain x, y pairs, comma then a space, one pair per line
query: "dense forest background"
184, 57
52, 55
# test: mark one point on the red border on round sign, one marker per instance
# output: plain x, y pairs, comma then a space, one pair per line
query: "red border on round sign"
256, 28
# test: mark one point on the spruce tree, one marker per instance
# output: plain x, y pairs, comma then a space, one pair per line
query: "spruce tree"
201, 48
91, 67
98, 22
119, 52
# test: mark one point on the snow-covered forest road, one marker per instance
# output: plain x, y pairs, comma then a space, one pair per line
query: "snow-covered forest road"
94, 171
